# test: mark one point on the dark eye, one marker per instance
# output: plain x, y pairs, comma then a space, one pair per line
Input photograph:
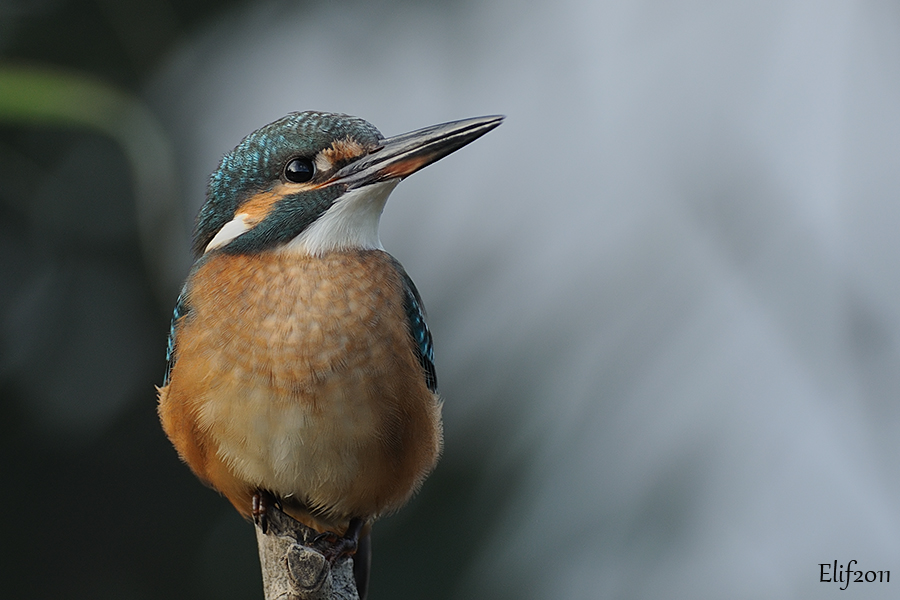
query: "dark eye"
299, 170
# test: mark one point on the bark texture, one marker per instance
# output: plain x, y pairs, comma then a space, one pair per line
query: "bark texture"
292, 570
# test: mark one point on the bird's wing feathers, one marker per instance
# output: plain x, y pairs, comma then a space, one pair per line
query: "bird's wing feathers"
181, 310
415, 315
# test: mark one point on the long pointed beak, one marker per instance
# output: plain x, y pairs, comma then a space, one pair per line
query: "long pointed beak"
402, 155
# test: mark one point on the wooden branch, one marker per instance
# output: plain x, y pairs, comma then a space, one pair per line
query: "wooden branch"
292, 570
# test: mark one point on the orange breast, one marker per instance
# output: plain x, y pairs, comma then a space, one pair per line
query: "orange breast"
297, 375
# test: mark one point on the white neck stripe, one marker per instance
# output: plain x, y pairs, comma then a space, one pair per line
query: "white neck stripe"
230, 230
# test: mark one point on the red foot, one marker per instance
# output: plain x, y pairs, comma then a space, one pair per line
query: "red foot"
262, 500
334, 547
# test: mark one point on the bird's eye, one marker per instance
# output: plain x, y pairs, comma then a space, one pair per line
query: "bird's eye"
299, 170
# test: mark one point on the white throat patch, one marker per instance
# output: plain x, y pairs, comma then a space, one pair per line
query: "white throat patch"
351, 223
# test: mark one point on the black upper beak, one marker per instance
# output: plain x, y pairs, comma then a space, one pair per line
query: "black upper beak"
403, 155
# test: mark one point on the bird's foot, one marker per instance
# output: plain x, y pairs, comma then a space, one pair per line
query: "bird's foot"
262, 500
332, 546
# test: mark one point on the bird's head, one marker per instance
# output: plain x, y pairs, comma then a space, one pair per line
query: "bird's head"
316, 182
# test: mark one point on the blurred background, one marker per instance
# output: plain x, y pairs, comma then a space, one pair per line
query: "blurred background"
663, 293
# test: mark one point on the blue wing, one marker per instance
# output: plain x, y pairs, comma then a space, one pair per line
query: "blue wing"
415, 316
181, 309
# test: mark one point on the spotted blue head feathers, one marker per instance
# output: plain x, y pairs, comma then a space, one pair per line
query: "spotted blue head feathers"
257, 164
316, 182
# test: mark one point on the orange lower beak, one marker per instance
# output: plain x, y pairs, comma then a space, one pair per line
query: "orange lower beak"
402, 155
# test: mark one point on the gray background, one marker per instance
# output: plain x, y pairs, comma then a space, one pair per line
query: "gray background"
663, 293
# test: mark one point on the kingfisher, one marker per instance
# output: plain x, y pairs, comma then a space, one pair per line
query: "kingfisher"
300, 370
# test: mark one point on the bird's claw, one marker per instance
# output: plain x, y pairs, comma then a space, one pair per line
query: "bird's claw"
332, 546
262, 500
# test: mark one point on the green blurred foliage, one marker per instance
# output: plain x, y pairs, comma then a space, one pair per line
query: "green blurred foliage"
97, 504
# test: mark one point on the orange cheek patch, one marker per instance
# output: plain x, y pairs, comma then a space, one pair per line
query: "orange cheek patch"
259, 206
341, 151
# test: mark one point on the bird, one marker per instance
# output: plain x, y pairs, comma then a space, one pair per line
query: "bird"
300, 368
